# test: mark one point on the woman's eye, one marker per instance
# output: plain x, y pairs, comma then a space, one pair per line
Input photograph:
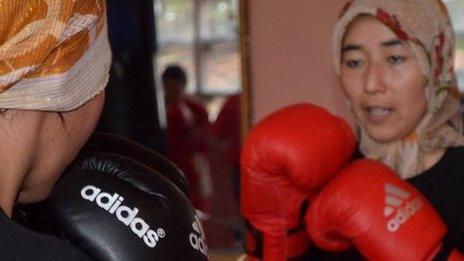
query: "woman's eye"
395, 59
354, 63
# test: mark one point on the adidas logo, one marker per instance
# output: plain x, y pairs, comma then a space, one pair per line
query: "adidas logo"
197, 238
126, 215
397, 199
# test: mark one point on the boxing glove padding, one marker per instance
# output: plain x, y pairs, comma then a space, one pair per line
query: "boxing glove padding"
106, 142
384, 217
304, 141
115, 208
287, 158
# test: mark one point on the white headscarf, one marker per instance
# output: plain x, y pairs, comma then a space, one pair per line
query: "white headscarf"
425, 25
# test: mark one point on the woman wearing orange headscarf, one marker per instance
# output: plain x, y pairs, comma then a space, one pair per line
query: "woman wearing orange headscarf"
54, 63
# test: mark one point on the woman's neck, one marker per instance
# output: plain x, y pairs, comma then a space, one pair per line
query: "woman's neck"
432, 158
12, 175
9, 192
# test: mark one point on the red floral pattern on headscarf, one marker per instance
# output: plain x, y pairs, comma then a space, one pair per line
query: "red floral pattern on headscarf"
432, 42
345, 8
393, 23
439, 54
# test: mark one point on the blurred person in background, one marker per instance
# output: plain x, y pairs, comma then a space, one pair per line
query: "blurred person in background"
188, 130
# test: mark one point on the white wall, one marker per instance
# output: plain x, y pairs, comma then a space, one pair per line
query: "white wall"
290, 55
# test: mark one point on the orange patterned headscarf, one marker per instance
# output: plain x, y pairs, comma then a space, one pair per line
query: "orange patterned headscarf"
425, 25
54, 54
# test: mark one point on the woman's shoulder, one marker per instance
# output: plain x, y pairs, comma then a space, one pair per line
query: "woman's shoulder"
450, 165
452, 160
456, 151
19, 243
443, 186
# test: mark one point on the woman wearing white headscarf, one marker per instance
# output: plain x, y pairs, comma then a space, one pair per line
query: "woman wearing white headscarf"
395, 60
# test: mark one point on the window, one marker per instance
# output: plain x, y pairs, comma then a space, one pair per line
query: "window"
174, 19
202, 36
456, 11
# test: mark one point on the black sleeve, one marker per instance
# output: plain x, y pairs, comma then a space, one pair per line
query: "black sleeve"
19, 243
315, 253
445, 250
443, 186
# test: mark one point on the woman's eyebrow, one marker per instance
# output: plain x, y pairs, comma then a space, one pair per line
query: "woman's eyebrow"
356, 47
391, 43
351, 47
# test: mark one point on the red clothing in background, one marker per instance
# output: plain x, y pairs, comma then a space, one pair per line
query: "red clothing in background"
187, 133
227, 129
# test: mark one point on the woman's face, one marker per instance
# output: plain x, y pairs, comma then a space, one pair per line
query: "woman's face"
383, 80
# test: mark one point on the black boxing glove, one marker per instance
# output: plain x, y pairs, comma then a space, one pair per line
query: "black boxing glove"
115, 208
106, 142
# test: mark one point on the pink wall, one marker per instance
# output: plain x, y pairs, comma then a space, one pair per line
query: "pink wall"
291, 55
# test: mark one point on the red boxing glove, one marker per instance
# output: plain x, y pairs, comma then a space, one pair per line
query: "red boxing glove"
384, 217
287, 158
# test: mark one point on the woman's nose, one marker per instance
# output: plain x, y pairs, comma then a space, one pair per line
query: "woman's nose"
374, 82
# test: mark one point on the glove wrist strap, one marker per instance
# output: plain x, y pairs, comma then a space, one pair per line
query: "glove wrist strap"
296, 239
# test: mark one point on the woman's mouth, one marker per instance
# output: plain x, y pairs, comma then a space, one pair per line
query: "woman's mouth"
377, 114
